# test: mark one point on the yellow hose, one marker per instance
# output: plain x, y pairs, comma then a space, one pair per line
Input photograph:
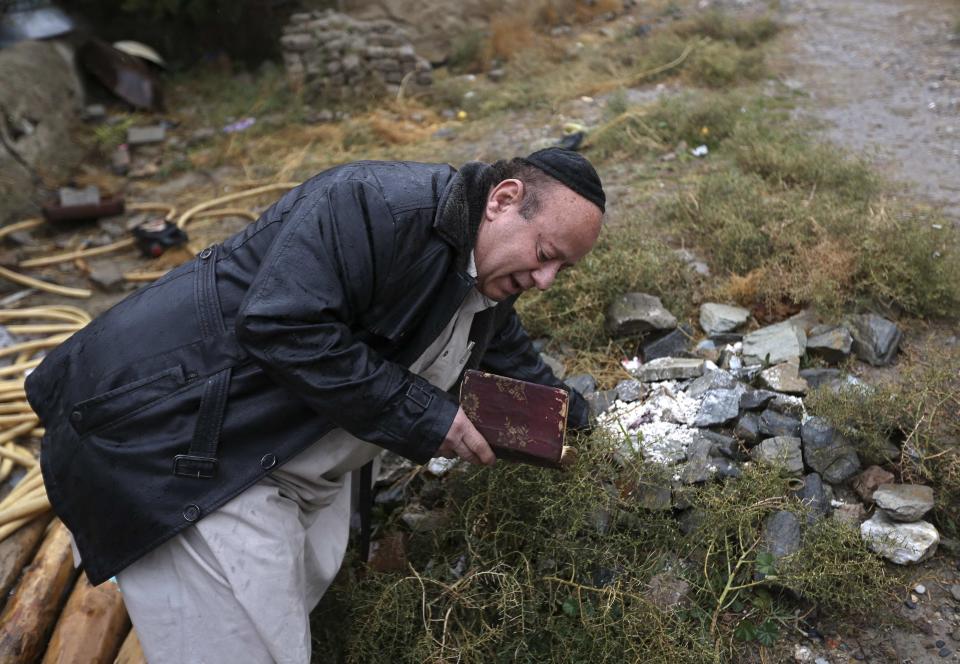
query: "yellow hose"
280, 186
30, 282
82, 253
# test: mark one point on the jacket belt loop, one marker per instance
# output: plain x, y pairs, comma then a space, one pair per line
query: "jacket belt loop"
200, 461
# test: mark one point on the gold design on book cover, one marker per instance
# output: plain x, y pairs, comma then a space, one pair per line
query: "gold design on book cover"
512, 387
515, 436
470, 404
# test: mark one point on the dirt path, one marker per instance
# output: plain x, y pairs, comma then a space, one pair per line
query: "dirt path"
885, 76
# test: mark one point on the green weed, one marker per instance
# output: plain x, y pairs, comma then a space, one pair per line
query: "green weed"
915, 414
625, 259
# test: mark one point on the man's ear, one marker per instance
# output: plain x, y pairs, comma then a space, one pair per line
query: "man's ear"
502, 196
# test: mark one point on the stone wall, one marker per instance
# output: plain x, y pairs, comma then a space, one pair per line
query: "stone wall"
332, 55
40, 103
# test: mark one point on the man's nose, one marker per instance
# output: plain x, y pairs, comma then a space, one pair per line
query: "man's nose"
544, 275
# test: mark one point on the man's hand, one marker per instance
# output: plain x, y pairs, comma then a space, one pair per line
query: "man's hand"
464, 441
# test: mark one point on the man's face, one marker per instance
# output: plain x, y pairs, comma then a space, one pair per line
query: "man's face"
514, 254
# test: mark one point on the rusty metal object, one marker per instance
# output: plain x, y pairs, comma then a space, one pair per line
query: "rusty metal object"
127, 76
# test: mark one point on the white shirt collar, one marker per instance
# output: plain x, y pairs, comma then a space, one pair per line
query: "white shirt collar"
485, 302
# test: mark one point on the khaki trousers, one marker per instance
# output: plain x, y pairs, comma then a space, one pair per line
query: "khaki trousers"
239, 585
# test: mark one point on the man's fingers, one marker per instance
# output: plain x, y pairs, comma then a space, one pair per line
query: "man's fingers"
479, 449
465, 453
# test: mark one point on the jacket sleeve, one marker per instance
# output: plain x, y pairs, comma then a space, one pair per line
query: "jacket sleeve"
511, 353
332, 255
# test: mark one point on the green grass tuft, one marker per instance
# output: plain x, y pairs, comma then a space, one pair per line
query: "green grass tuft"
625, 259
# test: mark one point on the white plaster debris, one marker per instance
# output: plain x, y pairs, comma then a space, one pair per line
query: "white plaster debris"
440, 466
656, 428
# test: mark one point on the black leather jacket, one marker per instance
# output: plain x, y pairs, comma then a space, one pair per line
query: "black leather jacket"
191, 389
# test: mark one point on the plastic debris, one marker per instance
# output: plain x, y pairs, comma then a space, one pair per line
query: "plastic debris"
631, 365
239, 125
141, 51
125, 75
700, 151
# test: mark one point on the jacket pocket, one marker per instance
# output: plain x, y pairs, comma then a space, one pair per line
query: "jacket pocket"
110, 407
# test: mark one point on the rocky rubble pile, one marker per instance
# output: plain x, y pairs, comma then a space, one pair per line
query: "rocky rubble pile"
736, 398
332, 55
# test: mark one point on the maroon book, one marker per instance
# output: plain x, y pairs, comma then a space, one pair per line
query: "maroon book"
522, 421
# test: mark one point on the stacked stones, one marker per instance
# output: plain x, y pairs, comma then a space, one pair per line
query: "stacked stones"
737, 398
332, 55
896, 531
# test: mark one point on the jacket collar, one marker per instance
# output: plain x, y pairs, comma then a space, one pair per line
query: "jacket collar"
460, 209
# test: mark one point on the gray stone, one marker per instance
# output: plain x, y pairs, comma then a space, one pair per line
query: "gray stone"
698, 468
497, 75
817, 377
781, 534
556, 366
419, 520
774, 344
814, 496
350, 62
95, 113
717, 318
827, 452
694, 263
727, 338
652, 496
631, 390
782, 452
748, 428
904, 502
149, 134
638, 313
955, 591
900, 543
666, 591
712, 380
723, 445
784, 378
752, 399
582, 383
724, 467
718, 407
672, 344
690, 520
601, 401
875, 339
787, 405
22, 239
201, 135
773, 423
42, 99
670, 368
852, 514
71, 196
832, 345
107, 277
298, 43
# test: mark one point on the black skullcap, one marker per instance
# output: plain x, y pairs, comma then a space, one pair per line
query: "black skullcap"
572, 170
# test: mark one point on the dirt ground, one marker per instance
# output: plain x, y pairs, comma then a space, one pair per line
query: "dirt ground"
884, 78
884, 75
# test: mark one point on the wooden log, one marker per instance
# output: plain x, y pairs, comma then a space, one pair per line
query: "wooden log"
91, 627
17, 550
33, 608
130, 651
